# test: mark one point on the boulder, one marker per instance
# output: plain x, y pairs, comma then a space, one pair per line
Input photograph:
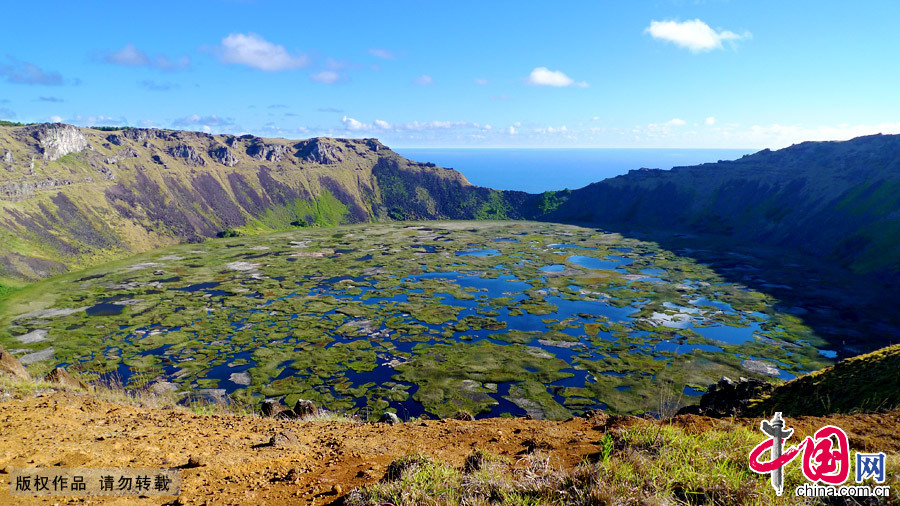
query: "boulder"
270, 407
305, 408
61, 376
389, 418
464, 416
11, 367
283, 439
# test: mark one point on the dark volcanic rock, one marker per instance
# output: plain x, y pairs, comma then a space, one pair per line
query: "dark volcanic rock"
389, 418
728, 398
305, 408
268, 152
319, 151
270, 407
224, 156
190, 155
464, 416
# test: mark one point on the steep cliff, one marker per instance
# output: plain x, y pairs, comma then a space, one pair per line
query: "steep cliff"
76, 196
834, 200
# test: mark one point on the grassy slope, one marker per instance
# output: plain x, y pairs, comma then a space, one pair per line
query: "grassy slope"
864, 383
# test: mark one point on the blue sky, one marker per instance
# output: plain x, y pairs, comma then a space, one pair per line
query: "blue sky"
667, 73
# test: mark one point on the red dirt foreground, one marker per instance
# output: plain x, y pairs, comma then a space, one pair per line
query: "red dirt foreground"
227, 459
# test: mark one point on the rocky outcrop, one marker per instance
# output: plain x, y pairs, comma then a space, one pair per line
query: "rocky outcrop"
190, 155
305, 409
122, 154
728, 398
319, 151
464, 416
224, 156
268, 152
62, 377
270, 407
11, 367
59, 140
25, 189
389, 418
142, 134
8, 158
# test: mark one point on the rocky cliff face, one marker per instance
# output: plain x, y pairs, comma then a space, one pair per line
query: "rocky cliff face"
59, 140
75, 196
71, 196
834, 200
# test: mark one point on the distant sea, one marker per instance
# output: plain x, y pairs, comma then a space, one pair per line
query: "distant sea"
538, 170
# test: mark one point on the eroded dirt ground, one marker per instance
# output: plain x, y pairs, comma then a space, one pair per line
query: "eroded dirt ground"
238, 465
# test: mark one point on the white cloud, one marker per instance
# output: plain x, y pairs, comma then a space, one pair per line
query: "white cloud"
252, 50
694, 35
354, 125
131, 56
511, 130
414, 126
196, 119
326, 77
710, 121
481, 81
384, 54
676, 122
55, 119
542, 76
423, 80
432, 125
551, 130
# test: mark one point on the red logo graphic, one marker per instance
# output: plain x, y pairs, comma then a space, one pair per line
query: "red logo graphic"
822, 460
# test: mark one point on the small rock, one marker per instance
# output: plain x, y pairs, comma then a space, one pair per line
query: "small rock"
194, 461
464, 416
62, 377
389, 418
336, 490
283, 439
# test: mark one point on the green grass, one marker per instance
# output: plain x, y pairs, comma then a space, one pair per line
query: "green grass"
640, 464
869, 382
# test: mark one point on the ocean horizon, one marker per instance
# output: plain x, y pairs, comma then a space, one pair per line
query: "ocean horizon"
536, 170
